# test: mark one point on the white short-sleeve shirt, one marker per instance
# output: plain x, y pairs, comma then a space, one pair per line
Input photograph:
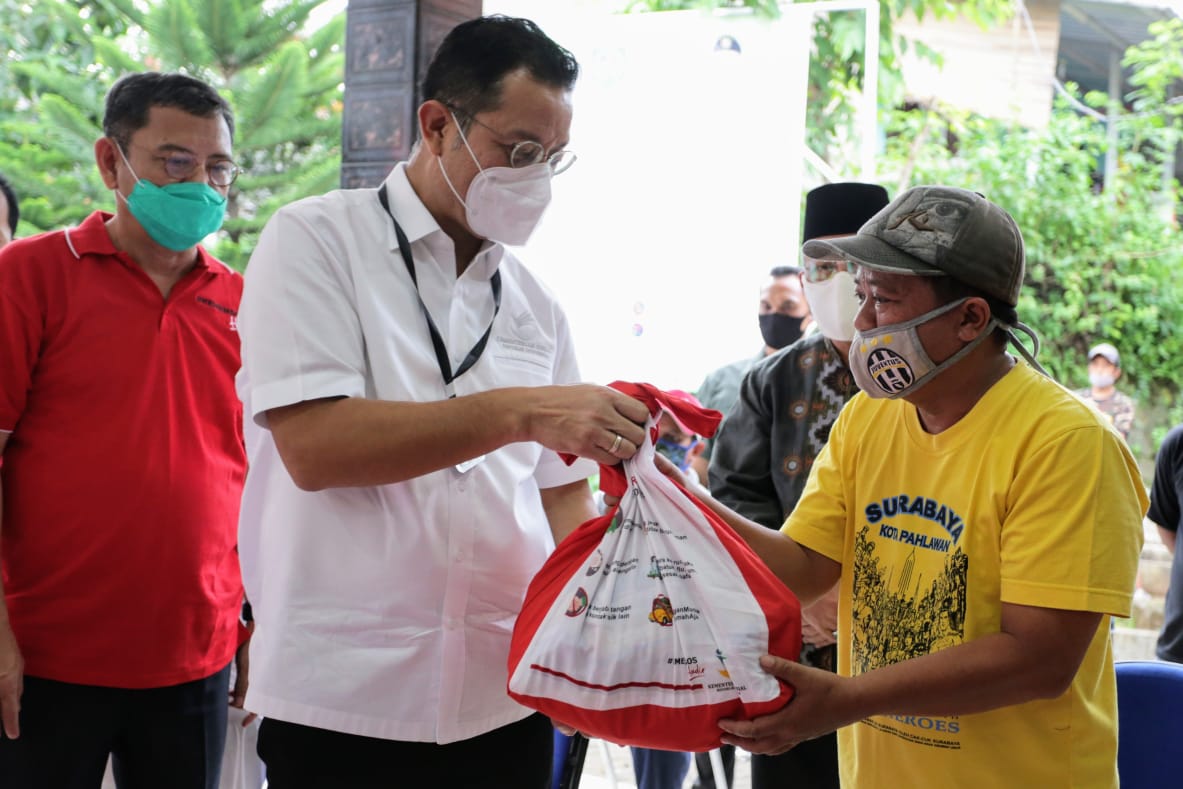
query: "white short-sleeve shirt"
387, 611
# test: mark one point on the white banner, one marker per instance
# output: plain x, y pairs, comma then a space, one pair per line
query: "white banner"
689, 128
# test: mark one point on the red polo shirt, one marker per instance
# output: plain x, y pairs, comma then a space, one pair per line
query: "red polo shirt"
124, 467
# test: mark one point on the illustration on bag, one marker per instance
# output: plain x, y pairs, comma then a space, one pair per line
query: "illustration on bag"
722, 662
663, 611
578, 603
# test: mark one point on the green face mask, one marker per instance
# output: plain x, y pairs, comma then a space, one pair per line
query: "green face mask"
176, 216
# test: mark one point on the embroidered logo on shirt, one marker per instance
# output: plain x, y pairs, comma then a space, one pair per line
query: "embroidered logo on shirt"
233, 314
521, 340
524, 326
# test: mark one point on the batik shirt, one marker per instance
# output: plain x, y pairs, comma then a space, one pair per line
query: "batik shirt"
1118, 409
787, 404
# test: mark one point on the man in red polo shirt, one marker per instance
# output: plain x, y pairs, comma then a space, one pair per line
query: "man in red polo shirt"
123, 462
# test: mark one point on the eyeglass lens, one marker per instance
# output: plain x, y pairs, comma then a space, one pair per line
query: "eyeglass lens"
528, 152
219, 173
823, 270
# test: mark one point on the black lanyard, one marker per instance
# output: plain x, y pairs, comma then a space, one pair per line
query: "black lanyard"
437, 341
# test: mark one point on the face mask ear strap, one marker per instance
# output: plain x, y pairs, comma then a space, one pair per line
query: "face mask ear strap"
1029, 356
127, 164
464, 139
123, 156
443, 171
952, 360
440, 160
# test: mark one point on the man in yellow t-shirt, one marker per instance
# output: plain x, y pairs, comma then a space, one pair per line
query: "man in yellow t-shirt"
983, 523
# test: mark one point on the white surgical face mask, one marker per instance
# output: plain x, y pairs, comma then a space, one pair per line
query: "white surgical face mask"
1102, 380
834, 305
891, 362
504, 204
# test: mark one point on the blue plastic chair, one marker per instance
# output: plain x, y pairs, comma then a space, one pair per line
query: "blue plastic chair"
1149, 719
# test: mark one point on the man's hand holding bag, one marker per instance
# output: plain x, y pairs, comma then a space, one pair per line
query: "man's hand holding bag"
646, 626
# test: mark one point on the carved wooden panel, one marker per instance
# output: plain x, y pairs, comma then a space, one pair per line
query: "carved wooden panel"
380, 45
388, 44
377, 123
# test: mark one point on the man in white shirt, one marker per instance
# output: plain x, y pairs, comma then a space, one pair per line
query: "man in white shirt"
407, 386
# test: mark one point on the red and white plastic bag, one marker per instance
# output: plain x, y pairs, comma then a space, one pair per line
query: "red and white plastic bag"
645, 626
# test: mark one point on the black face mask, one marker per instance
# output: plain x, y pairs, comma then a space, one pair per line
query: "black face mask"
779, 330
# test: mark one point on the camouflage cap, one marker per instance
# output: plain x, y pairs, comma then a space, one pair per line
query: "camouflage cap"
938, 230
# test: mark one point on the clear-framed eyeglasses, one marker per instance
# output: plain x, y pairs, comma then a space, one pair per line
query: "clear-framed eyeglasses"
525, 152
180, 167
822, 270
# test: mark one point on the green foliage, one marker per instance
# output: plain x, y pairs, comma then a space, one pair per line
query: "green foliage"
836, 68
49, 48
1157, 65
284, 84
1101, 265
1157, 73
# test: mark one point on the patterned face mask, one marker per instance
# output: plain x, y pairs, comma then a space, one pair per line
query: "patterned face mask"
678, 454
891, 362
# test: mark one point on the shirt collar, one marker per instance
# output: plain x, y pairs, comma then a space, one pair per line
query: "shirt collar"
91, 238
419, 225
834, 352
414, 218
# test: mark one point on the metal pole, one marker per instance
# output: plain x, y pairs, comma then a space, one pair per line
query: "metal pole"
1111, 118
869, 119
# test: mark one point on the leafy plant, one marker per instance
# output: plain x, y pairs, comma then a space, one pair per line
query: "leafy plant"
1101, 265
284, 84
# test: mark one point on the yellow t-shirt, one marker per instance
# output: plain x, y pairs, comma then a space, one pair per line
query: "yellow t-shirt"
1029, 499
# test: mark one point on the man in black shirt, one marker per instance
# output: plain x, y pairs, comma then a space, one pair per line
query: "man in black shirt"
1166, 510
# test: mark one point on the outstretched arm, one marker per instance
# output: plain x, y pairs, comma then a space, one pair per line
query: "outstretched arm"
567, 507
353, 441
1036, 655
805, 571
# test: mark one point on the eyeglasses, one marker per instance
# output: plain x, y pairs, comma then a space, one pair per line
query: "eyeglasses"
181, 166
525, 152
822, 270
